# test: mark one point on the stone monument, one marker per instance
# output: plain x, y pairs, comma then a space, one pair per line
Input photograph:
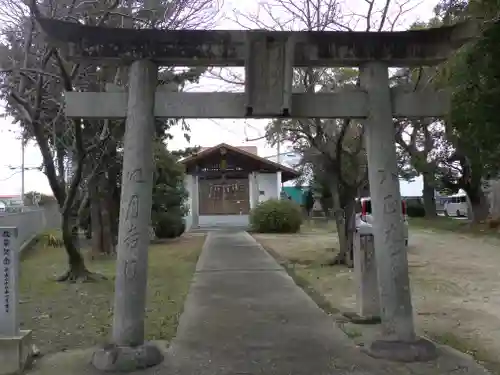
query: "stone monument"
268, 58
15, 344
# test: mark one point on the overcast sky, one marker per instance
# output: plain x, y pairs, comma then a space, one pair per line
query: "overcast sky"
203, 132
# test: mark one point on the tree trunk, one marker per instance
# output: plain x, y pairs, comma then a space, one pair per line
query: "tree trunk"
95, 221
106, 227
60, 157
478, 208
495, 200
77, 269
344, 214
429, 196
102, 238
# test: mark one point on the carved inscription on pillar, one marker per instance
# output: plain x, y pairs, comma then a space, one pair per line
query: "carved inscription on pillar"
136, 176
131, 240
369, 252
383, 174
130, 269
392, 233
390, 204
132, 213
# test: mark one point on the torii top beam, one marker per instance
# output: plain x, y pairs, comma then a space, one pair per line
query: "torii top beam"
228, 48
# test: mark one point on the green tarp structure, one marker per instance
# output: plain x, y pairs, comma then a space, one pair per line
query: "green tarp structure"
296, 193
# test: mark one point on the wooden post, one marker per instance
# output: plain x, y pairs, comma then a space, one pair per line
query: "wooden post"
129, 351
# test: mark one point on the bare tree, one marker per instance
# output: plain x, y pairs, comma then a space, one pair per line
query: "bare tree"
35, 76
333, 148
418, 139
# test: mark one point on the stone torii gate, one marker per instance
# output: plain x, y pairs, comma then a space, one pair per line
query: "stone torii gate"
269, 58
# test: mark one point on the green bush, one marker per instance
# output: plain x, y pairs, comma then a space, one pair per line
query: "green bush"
276, 216
415, 210
169, 225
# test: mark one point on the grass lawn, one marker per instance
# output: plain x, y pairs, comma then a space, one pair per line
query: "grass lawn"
440, 223
449, 224
318, 225
68, 316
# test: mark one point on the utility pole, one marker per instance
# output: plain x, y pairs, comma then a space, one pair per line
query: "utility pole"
22, 168
278, 149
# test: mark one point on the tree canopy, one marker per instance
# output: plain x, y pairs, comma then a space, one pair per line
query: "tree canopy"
472, 75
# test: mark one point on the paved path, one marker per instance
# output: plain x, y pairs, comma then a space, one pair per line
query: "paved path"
245, 315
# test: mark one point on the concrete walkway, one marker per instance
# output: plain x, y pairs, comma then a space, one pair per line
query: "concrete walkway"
245, 315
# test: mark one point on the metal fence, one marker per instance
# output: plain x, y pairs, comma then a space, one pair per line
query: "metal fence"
33, 222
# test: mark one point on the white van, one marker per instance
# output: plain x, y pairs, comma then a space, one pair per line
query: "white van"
456, 205
364, 213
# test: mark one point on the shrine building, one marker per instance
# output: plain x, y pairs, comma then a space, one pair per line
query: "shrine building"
225, 182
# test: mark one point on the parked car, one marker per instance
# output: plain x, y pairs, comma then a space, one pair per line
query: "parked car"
364, 214
456, 205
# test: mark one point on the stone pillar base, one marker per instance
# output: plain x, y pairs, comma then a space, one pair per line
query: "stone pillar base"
113, 358
15, 353
359, 319
420, 350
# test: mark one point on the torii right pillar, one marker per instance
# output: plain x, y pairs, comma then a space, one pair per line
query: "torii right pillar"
398, 341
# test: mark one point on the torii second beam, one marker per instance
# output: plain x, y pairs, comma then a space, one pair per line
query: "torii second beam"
346, 104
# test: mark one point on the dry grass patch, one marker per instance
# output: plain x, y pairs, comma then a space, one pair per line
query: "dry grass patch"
68, 316
454, 281
448, 224
318, 226
306, 258
303, 248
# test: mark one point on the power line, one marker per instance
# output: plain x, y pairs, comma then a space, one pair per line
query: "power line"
20, 171
259, 131
12, 175
253, 127
225, 128
289, 154
25, 168
255, 139
228, 130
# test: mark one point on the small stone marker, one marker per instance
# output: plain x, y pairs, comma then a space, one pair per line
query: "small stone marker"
365, 274
14, 343
364, 258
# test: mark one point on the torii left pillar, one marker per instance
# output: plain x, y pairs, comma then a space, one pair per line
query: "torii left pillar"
128, 351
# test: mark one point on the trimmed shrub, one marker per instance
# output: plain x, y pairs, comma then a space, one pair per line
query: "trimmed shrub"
169, 225
276, 216
415, 210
